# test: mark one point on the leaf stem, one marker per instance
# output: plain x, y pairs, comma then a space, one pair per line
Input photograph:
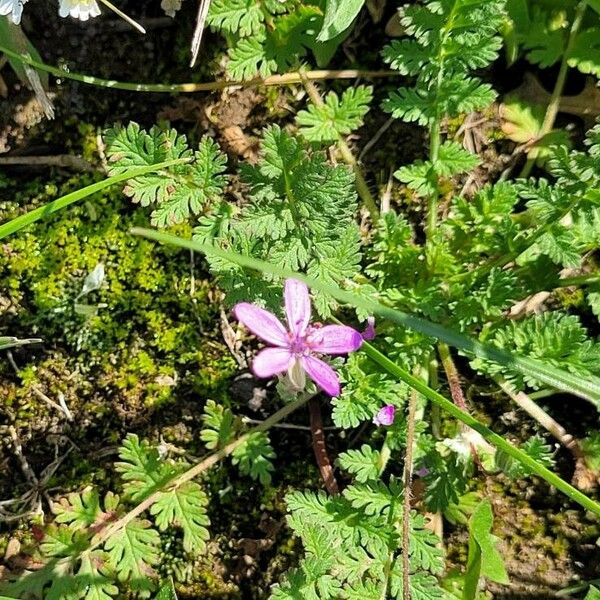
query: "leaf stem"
559, 86
194, 471
187, 88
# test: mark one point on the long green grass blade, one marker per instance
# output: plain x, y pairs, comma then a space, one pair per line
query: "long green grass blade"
18, 223
493, 438
556, 378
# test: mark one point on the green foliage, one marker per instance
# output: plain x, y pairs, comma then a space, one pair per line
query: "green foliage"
185, 507
364, 392
448, 39
339, 15
553, 337
269, 36
337, 117
423, 176
364, 464
351, 542
536, 447
542, 33
177, 192
299, 214
253, 457
75, 566
484, 559
142, 469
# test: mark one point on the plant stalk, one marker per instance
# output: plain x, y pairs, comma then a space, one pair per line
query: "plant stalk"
194, 471
320, 448
452, 376
407, 478
188, 88
559, 86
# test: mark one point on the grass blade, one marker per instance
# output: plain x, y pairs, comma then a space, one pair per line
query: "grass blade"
18, 223
556, 378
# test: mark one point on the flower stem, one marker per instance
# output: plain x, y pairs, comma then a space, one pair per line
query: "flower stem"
452, 375
559, 86
407, 478
320, 447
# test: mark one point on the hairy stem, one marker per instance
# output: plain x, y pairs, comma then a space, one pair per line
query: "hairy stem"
522, 400
407, 477
559, 86
452, 375
361, 185
320, 447
193, 472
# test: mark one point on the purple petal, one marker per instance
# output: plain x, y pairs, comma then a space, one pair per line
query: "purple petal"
334, 339
297, 306
369, 332
262, 323
385, 416
271, 361
322, 374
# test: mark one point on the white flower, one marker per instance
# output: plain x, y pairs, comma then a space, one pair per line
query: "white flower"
171, 6
14, 8
78, 9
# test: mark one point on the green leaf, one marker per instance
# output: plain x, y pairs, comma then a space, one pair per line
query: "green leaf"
185, 507
219, 426
142, 468
248, 58
131, 553
337, 116
593, 594
364, 464
80, 510
13, 37
177, 192
50, 208
484, 559
93, 580
166, 591
254, 457
585, 52
339, 15
241, 17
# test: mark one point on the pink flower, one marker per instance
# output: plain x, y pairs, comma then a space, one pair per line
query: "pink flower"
295, 349
385, 416
369, 333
